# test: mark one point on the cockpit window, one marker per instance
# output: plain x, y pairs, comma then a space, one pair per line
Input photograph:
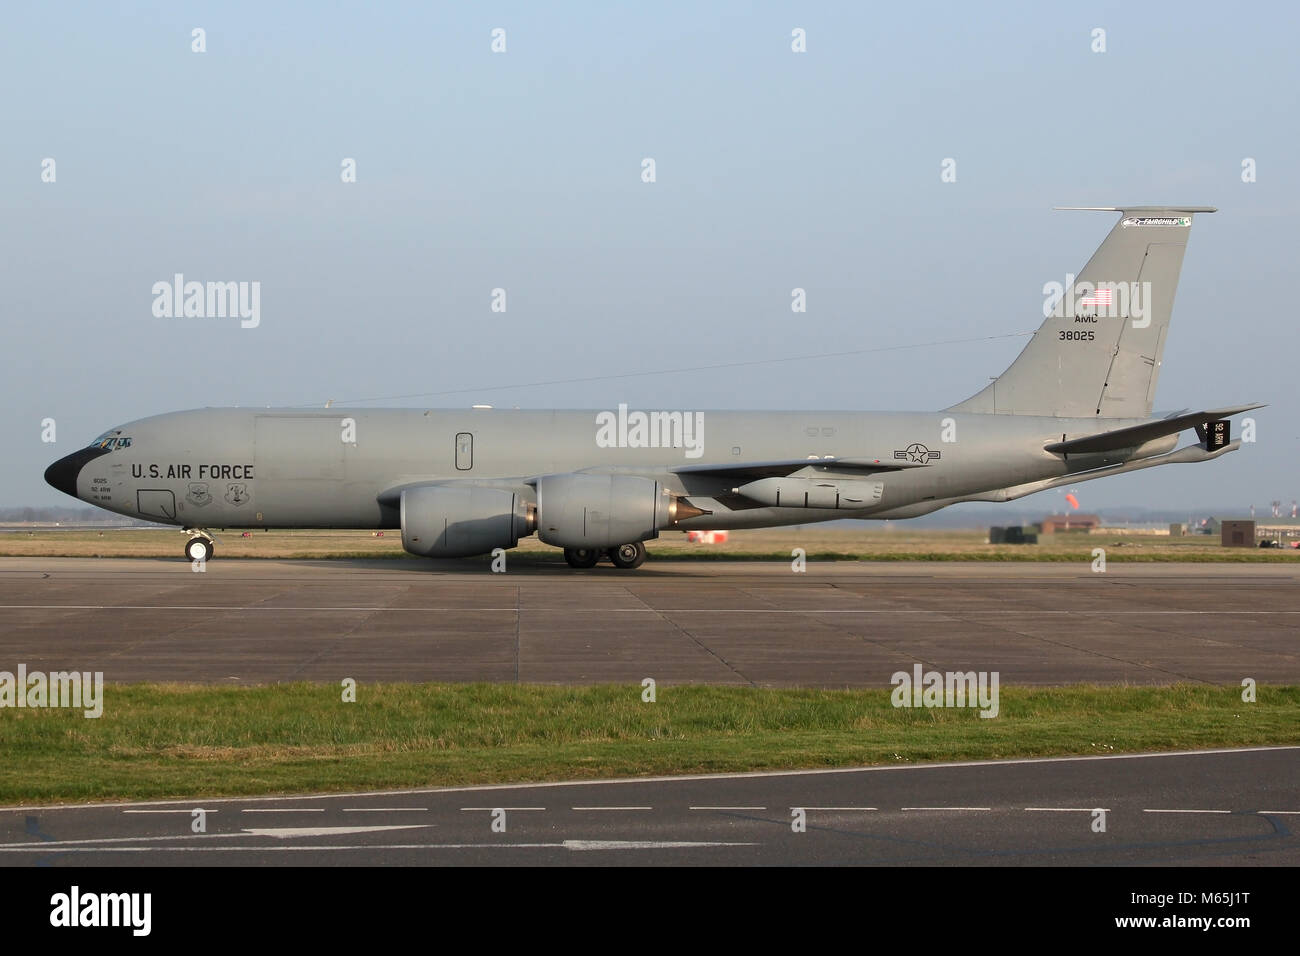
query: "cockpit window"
111, 440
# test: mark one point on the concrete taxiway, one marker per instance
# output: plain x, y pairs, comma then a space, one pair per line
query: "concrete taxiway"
1237, 807
836, 625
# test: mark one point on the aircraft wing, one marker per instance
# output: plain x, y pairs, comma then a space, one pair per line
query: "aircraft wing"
1134, 435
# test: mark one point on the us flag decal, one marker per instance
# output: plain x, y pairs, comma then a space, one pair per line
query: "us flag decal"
1097, 298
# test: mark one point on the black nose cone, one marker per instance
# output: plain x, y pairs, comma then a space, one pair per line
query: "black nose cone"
63, 473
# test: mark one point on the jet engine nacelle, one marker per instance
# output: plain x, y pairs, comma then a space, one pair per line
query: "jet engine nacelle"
603, 511
455, 521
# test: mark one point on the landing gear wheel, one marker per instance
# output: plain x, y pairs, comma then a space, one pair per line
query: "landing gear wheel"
581, 557
628, 556
198, 549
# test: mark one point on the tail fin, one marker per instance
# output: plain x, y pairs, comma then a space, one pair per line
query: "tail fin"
1099, 352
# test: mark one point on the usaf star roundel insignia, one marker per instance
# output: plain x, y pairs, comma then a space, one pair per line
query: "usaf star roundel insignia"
918, 453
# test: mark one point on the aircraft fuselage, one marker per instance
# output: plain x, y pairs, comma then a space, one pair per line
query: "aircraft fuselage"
345, 468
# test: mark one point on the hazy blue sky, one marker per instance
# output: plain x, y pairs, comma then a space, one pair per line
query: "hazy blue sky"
522, 170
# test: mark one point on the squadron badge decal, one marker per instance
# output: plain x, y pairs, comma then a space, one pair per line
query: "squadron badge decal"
198, 494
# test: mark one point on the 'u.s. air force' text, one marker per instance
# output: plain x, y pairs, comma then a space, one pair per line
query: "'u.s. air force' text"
237, 472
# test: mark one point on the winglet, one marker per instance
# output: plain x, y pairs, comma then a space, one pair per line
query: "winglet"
1135, 435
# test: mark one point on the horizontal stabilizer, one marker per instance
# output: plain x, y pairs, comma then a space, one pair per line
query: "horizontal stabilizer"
1135, 435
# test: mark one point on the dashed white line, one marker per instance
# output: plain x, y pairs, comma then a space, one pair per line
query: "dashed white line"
1065, 809
727, 808
611, 808
682, 778
1186, 811
385, 810
171, 811
503, 808
834, 808
284, 810
946, 808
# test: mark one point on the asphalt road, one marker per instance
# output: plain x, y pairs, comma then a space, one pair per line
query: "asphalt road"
837, 625
1210, 808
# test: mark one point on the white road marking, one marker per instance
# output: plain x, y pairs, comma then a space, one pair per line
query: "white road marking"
946, 808
243, 607
284, 810
171, 811
680, 778
1065, 809
281, 833
1280, 812
46, 848
1186, 811
728, 808
514, 809
1040, 612
642, 844
385, 809
96, 841
611, 808
834, 808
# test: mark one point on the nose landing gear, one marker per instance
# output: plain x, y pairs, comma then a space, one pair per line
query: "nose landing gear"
199, 547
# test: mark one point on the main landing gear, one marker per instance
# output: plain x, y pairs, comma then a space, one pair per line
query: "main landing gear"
581, 557
625, 556
199, 547
628, 556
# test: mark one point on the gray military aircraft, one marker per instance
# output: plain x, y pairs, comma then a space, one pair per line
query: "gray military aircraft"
1075, 405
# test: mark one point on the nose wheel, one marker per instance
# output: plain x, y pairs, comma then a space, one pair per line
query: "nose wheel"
198, 548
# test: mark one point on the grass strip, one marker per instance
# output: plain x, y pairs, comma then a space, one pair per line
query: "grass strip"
171, 740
